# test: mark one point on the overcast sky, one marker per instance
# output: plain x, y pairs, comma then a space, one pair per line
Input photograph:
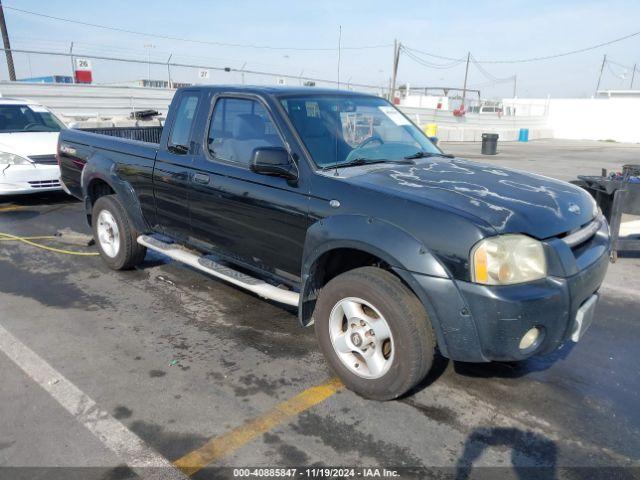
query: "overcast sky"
491, 30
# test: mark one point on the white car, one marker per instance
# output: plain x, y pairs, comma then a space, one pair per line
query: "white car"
28, 142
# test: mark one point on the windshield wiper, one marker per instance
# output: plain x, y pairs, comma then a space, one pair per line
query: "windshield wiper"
423, 154
368, 161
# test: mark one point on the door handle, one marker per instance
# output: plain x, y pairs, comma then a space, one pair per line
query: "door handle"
202, 178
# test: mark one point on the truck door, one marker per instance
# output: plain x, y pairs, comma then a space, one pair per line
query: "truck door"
173, 164
257, 219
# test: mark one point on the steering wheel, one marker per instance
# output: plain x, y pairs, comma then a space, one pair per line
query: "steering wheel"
29, 126
371, 139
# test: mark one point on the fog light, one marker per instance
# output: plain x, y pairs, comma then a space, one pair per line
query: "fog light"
530, 339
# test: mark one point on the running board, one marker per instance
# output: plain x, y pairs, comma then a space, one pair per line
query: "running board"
223, 272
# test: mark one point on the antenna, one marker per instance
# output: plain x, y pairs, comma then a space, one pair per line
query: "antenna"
335, 173
339, 51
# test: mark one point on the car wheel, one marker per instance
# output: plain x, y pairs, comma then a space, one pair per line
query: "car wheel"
115, 235
374, 333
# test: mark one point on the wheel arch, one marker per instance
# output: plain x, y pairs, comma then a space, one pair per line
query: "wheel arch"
337, 244
100, 178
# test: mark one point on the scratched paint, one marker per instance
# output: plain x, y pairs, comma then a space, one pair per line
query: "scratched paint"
508, 200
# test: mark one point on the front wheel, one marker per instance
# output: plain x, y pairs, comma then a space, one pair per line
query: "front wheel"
374, 333
114, 234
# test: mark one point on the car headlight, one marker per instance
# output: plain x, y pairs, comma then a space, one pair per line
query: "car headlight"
508, 259
13, 159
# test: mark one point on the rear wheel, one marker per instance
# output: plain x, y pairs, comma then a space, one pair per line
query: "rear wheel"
114, 234
374, 333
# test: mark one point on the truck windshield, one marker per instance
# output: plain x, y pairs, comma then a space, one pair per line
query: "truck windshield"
350, 130
28, 118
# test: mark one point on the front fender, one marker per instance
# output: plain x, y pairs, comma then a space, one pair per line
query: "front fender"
100, 167
378, 237
396, 247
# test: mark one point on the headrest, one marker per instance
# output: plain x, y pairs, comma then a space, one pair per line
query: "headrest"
247, 126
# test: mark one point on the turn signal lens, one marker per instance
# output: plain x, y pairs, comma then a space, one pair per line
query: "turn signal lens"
508, 259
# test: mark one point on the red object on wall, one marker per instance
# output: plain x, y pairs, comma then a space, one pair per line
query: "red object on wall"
83, 76
459, 112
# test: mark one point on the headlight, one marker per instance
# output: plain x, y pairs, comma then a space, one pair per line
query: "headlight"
12, 159
508, 259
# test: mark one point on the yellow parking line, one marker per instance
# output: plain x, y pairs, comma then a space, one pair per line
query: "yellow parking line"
226, 443
10, 208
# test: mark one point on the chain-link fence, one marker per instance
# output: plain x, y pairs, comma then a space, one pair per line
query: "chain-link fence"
38, 65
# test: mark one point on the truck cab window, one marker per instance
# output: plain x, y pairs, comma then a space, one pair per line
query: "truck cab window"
238, 126
179, 138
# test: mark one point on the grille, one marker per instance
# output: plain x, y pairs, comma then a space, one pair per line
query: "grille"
45, 183
44, 159
576, 238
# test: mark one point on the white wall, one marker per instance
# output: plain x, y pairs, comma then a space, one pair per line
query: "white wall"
616, 118
72, 100
596, 119
471, 126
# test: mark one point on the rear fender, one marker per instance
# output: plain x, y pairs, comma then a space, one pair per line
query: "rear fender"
103, 168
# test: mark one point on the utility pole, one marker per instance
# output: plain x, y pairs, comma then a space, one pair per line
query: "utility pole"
604, 61
515, 85
73, 65
169, 68
7, 46
396, 59
633, 74
149, 46
466, 76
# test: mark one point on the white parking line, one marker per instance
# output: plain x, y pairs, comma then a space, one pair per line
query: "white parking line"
142, 459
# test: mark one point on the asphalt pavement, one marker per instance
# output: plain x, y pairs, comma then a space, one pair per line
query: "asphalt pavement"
194, 368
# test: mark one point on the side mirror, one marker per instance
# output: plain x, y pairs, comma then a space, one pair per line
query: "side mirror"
273, 161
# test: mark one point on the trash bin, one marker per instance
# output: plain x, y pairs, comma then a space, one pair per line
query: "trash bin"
523, 136
489, 143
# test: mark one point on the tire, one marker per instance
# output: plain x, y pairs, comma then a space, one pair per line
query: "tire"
399, 362
115, 235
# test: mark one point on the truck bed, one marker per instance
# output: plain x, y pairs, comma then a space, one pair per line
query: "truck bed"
142, 134
78, 146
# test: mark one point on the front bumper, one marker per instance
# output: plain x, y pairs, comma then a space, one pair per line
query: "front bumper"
479, 323
18, 179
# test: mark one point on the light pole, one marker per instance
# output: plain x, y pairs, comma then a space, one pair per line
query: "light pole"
149, 46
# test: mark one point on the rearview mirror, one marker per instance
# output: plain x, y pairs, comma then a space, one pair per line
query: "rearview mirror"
273, 161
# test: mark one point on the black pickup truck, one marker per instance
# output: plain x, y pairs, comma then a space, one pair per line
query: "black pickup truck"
336, 203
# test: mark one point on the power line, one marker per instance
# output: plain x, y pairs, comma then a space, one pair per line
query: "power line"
441, 57
428, 64
102, 49
488, 75
180, 39
540, 58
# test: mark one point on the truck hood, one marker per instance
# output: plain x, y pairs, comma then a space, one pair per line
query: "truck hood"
508, 200
29, 143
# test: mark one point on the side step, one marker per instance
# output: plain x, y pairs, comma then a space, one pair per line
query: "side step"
223, 272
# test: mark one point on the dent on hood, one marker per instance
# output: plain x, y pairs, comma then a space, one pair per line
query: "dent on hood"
481, 196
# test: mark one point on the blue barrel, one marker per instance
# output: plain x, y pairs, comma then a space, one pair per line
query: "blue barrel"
524, 135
